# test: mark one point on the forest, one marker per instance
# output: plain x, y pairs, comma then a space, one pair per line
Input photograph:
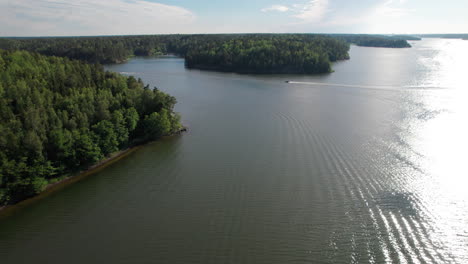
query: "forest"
379, 41
261, 53
447, 36
267, 54
250, 53
406, 37
58, 116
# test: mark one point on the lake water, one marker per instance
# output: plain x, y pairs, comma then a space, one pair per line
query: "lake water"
364, 165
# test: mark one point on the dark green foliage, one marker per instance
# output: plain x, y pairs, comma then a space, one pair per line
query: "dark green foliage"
106, 136
376, 40
406, 37
89, 148
157, 124
247, 53
59, 115
266, 53
114, 49
447, 36
243, 53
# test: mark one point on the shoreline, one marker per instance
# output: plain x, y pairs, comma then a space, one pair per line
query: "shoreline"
248, 72
74, 177
52, 188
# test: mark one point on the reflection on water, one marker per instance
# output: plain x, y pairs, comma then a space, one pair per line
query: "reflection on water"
441, 139
364, 165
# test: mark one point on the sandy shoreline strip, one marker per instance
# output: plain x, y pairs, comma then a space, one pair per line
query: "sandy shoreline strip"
54, 187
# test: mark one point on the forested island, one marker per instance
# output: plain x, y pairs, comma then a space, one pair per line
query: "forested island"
267, 54
406, 37
245, 53
379, 41
447, 36
58, 116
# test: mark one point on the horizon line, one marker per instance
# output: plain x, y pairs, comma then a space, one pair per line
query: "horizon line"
237, 33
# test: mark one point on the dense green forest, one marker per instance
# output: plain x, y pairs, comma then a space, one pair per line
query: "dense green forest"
406, 37
59, 115
448, 36
263, 53
246, 53
380, 41
267, 54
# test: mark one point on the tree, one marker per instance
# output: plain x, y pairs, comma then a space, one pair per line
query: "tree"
131, 118
87, 151
120, 128
58, 116
106, 136
156, 125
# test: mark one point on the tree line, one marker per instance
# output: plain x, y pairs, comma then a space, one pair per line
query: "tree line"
447, 36
252, 53
265, 53
381, 41
59, 115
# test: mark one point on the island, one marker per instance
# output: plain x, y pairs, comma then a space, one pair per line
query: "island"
406, 37
379, 41
242, 53
446, 36
266, 54
59, 116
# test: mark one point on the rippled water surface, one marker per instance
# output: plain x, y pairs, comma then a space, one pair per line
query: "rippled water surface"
366, 164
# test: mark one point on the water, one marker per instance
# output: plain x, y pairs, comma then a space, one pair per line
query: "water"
364, 165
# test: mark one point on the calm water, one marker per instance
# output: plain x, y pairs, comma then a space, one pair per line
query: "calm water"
363, 165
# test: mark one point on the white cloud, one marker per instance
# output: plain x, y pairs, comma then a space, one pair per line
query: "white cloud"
388, 9
278, 8
374, 19
89, 17
312, 11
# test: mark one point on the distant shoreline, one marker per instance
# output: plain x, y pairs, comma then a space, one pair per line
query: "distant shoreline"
251, 71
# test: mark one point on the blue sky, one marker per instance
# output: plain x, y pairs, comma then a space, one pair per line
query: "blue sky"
121, 17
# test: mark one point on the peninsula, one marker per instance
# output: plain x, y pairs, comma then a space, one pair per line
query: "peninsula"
59, 116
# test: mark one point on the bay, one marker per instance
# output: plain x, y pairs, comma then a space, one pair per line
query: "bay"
363, 165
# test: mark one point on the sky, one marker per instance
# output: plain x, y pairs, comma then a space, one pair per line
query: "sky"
133, 17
